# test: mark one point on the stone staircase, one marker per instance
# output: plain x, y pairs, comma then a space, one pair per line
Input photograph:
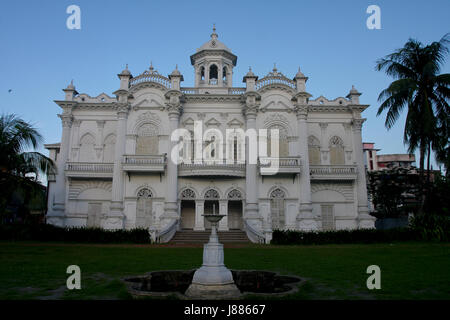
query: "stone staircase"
190, 236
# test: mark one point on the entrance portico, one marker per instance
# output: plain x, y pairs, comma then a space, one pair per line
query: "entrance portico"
192, 210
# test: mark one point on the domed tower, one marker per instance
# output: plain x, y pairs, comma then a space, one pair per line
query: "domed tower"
213, 64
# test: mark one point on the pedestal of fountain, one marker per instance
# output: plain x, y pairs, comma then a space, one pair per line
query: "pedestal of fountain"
213, 280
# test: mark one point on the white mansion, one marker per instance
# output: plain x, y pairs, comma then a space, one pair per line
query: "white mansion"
115, 169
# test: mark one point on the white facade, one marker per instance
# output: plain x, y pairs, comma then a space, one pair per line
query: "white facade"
115, 169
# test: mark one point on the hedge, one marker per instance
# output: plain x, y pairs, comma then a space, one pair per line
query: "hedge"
348, 236
46, 232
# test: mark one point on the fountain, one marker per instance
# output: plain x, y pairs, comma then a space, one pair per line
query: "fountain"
213, 280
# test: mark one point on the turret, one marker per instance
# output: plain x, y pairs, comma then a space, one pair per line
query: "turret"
300, 81
213, 64
175, 78
353, 95
250, 80
70, 91
125, 77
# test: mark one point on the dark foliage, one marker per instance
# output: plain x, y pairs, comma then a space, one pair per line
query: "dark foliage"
418, 232
46, 232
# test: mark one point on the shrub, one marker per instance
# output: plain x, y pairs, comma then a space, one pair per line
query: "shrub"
46, 232
432, 226
351, 236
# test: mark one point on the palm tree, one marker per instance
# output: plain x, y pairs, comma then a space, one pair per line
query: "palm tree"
424, 92
20, 168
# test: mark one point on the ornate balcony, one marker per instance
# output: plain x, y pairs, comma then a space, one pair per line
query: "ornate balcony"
144, 163
333, 172
89, 170
269, 166
211, 168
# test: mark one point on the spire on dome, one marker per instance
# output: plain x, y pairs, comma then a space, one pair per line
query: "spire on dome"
214, 35
299, 74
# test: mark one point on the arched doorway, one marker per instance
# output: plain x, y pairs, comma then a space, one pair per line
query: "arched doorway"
211, 205
144, 211
235, 219
277, 215
187, 209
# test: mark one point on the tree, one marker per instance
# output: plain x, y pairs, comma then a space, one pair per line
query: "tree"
425, 93
19, 168
394, 192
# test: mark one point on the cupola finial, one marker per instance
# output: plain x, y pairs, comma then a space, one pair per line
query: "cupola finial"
214, 35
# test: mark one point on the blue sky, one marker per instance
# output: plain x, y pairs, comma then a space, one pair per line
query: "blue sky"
329, 40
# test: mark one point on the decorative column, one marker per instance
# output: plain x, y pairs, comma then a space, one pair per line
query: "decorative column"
56, 213
251, 107
174, 109
305, 218
199, 211
223, 210
364, 220
115, 217
251, 169
56, 216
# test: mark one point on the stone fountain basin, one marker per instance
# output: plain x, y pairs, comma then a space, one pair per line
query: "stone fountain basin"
175, 283
213, 218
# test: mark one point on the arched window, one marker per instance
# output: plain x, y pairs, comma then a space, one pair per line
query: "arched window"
188, 194
277, 215
147, 139
336, 151
144, 212
212, 194
213, 72
224, 75
313, 150
109, 148
87, 153
283, 143
202, 73
234, 195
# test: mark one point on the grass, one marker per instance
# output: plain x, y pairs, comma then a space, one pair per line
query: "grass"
408, 270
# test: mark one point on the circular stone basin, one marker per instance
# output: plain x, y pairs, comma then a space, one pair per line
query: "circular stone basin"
176, 282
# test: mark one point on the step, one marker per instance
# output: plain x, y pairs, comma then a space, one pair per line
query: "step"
190, 236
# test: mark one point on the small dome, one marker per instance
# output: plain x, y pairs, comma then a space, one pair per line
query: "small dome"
176, 72
250, 73
214, 43
299, 74
125, 71
71, 86
353, 90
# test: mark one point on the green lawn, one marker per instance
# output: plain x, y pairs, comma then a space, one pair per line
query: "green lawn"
408, 270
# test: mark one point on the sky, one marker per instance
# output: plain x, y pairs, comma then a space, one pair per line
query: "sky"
328, 40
